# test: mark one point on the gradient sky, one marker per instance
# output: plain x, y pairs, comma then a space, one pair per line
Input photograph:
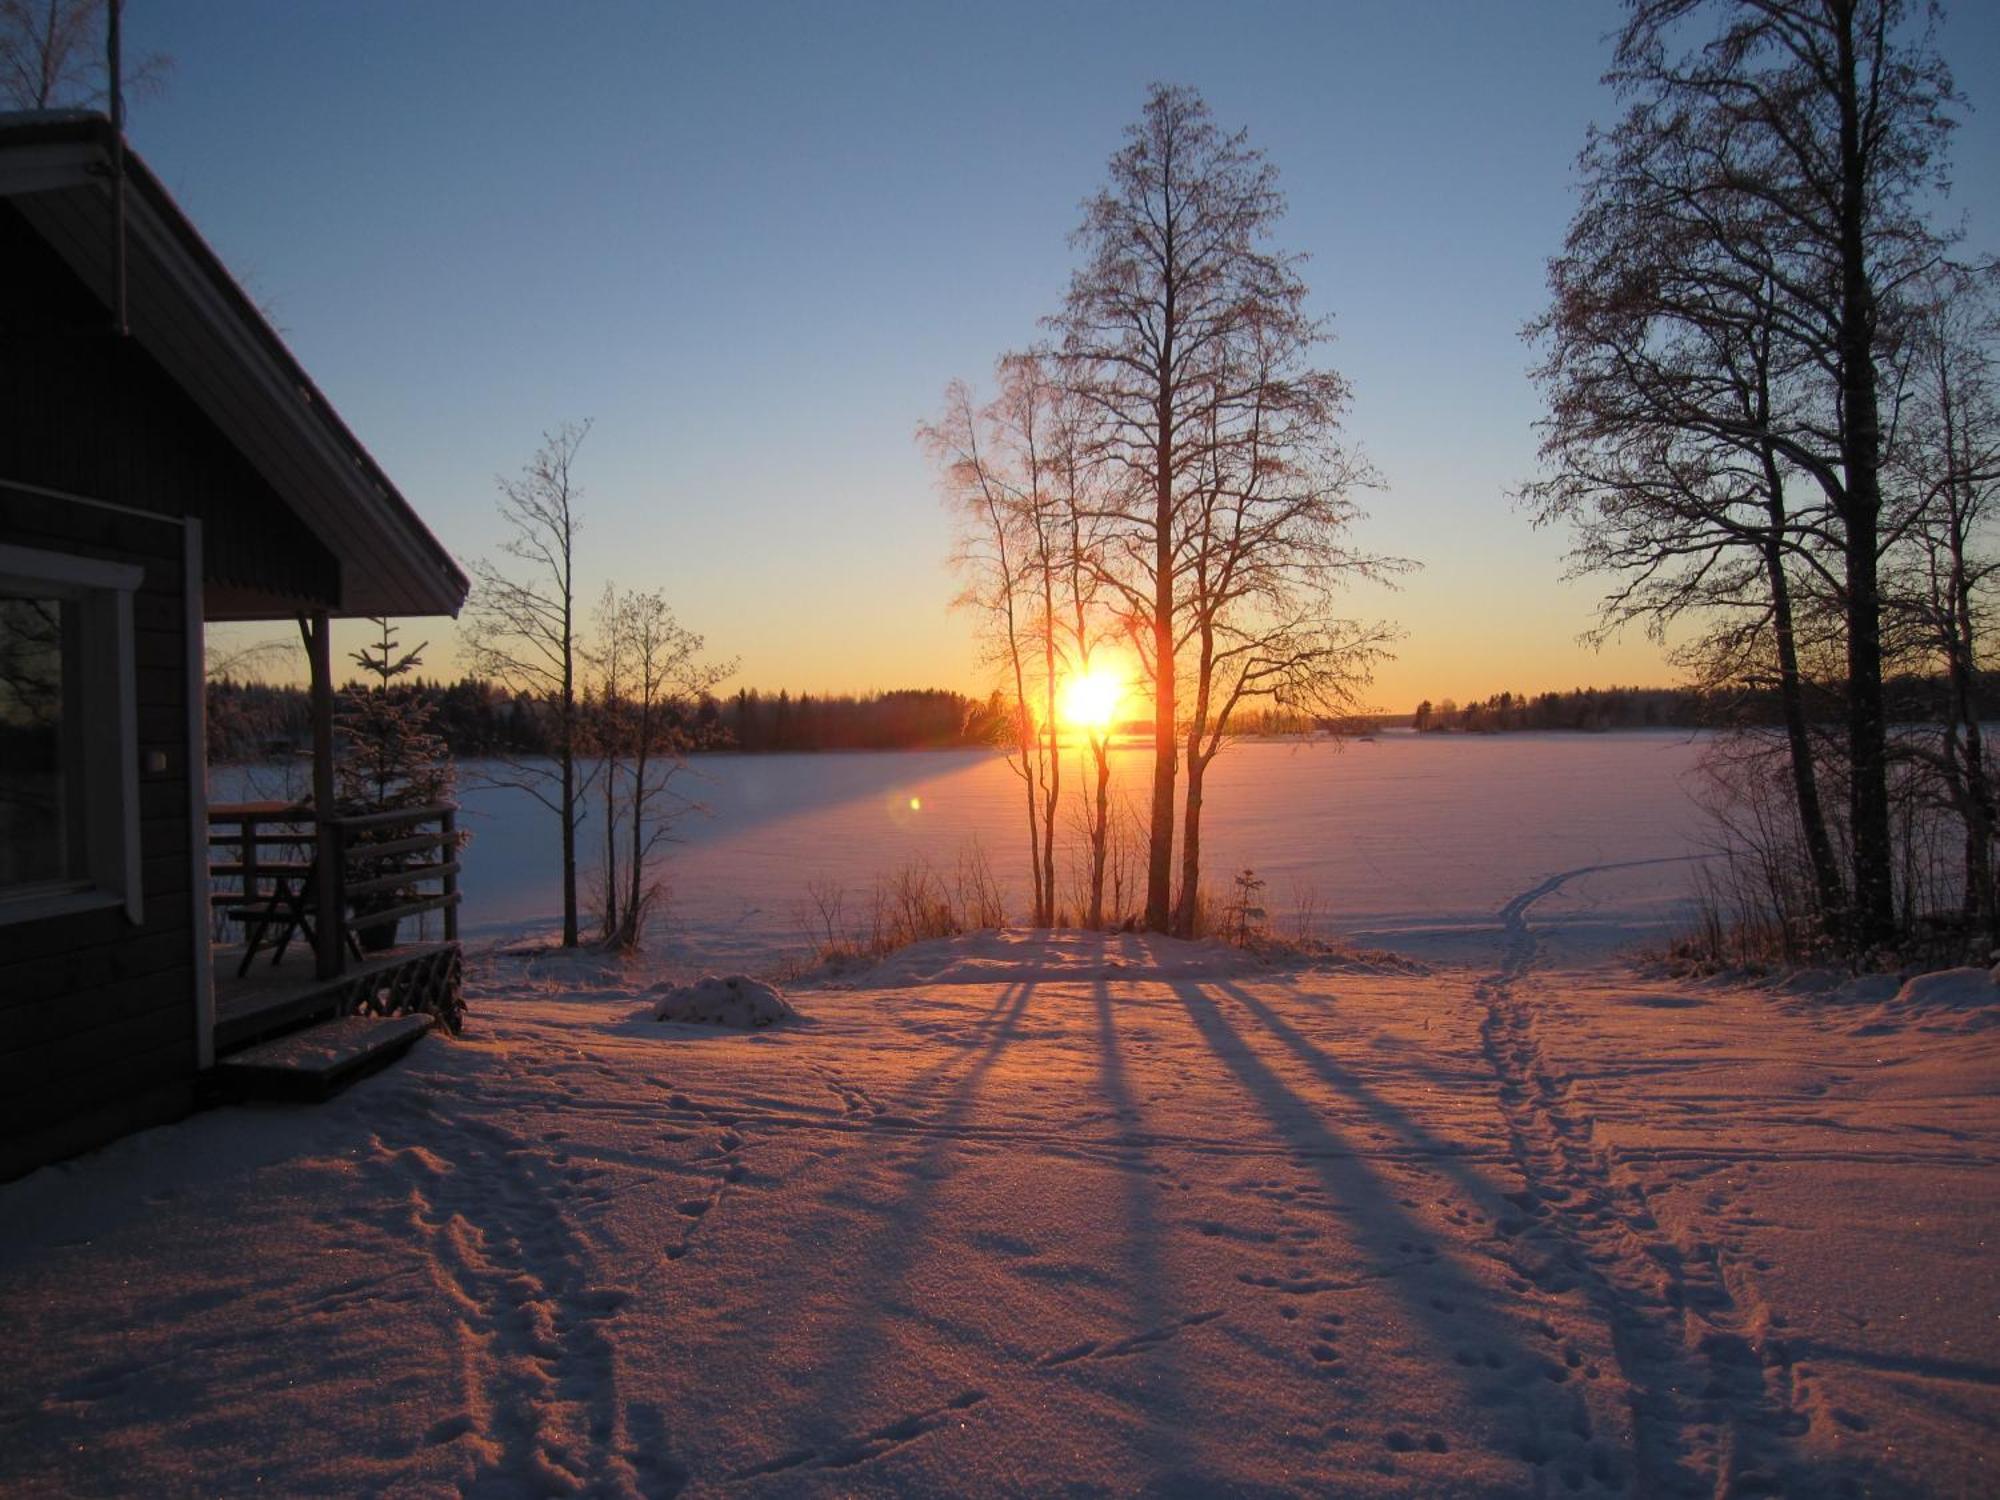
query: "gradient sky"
753, 243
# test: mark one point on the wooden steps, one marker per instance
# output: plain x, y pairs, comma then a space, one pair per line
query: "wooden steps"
319, 1060
276, 998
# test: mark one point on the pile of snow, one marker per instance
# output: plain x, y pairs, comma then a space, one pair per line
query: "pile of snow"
1954, 999
1944, 1001
738, 1001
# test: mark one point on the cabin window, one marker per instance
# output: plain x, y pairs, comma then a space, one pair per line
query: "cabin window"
68, 773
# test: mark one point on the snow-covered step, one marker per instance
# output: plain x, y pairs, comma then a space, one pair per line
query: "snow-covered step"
321, 1059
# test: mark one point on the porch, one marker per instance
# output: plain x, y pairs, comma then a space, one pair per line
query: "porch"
273, 998
325, 917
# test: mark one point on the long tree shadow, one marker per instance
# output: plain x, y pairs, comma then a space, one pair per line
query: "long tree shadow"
855, 1349
1146, 1269
1475, 1330
1652, 1350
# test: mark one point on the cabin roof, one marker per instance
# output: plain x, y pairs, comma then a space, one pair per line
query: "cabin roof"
190, 315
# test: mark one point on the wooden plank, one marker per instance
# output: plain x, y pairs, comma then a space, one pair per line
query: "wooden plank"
167, 834
164, 874
40, 1141
159, 650
357, 853
330, 1047
363, 821
321, 1059
161, 724
396, 914
33, 1025
165, 802
156, 684
411, 876
151, 1039
69, 955
104, 1083
84, 1049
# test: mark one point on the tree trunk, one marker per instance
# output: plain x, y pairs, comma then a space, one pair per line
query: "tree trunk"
1190, 902
569, 939
1805, 778
1028, 784
1160, 837
1982, 905
1100, 830
1197, 767
1861, 462
610, 774
1867, 739
635, 874
1052, 777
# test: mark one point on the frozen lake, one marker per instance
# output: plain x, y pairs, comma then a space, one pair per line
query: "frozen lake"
1405, 841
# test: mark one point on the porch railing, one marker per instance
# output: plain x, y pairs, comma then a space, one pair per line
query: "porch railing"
375, 858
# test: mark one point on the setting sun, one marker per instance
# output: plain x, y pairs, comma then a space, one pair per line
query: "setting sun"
1090, 700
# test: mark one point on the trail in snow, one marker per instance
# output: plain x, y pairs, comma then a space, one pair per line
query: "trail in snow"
1704, 1416
1520, 941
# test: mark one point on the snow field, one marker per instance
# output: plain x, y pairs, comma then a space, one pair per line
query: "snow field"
1026, 1214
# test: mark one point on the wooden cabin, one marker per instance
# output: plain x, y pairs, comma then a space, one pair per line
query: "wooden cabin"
164, 463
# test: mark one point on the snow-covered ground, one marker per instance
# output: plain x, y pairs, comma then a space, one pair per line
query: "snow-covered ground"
1022, 1215
1016, 1214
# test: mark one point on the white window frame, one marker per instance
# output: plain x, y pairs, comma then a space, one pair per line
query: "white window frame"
102, 592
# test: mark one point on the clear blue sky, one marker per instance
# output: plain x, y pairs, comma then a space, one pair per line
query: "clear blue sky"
753, 243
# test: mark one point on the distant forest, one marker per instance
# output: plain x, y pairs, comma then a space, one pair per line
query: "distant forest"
250, 721
1910, 699
254, 721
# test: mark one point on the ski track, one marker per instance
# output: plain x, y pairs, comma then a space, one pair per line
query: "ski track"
1708, 1416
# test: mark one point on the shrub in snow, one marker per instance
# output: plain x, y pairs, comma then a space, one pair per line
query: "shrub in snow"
738, 1001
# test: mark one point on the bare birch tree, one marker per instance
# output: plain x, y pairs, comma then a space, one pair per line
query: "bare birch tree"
1264, 551
1183, 332
1945, 465
990, 465
522, 630
1091, 626
652, 722
602, 709
1175, 269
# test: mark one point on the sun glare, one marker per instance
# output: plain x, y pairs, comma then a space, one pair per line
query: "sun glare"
1089, 701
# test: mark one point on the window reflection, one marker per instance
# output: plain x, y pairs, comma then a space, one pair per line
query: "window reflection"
40, 842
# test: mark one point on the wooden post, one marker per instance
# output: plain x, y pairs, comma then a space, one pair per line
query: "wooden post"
329, 871
247, 853
333, 916
448, 856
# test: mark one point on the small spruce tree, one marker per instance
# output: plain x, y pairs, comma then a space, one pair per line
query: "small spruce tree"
391, 755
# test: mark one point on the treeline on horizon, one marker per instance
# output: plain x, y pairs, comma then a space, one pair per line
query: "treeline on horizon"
250, 721
1598, 710
477, 718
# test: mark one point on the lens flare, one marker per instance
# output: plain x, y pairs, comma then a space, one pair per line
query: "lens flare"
1089, 700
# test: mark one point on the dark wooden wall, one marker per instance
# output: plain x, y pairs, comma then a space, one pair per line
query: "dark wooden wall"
91, 414
97, 1015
